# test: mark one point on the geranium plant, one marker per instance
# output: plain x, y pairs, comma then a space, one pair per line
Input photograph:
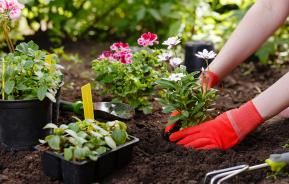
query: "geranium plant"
26, 72
129, 75
30, 73
85, 139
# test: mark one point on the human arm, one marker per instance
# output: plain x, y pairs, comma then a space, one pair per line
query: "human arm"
263, 18
231, 127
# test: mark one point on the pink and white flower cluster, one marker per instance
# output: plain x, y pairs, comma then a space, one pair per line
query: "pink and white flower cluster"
12, 8
148, 39
118, 52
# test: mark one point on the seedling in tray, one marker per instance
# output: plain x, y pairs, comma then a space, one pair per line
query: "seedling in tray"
85, 151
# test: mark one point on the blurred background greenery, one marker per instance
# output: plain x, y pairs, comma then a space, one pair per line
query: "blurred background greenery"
110, 20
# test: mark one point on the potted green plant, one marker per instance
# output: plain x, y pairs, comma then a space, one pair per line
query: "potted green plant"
129, 74
30, 79
85, 151
182, 93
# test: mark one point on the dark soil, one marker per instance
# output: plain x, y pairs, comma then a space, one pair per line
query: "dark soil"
154, 159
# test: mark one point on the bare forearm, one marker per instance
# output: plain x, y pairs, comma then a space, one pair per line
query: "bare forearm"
263, 18
274, 99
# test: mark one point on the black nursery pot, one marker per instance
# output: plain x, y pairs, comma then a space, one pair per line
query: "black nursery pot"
192, 62
85, 172
22, 122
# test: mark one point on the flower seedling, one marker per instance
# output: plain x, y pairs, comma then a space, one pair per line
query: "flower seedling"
129, 75
85, 140
182, 92
206, 55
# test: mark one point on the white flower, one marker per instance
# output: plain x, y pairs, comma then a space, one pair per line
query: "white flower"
175, 62
165, 56
176, 76
172, 41
205, 54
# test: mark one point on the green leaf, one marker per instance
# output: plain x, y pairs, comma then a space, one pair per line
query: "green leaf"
41, 92
50, 96
74, 127
166, 84
68, 153
119, 136
110, 142
169, 109
50, 125
101, 150
53, 141
9, 86
81, 153
173, 119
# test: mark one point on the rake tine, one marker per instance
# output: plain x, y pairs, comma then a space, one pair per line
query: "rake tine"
222, 171
233, 174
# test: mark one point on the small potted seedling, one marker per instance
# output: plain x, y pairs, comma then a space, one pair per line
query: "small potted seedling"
30, 79
183, 94
86, 150
129, 74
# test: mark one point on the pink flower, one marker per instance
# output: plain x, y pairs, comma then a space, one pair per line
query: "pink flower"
106, 55
119, 46
118, 52
147, 39
12, 8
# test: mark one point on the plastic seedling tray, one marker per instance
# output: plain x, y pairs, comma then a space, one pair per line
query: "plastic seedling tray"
74, 172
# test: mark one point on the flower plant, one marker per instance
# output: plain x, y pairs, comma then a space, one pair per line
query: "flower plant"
26, 72
30, 73
85, 139
182, 92
129, 74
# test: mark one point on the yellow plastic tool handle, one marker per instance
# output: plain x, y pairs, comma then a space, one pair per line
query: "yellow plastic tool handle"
87, 101
278, 161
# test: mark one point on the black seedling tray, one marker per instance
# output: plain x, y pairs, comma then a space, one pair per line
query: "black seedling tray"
85, 172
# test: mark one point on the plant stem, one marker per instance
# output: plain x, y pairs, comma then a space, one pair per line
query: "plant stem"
3, 79
7, 38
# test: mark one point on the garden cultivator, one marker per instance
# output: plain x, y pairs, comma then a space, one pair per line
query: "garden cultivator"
276, 162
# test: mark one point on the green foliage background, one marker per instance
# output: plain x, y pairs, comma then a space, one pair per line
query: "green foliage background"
106, 20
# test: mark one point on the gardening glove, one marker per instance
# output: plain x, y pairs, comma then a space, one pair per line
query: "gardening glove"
209, 79
223, 132
170, 127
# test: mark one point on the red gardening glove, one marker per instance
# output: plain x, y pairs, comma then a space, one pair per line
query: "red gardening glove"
223, 132
209, 79
170, 127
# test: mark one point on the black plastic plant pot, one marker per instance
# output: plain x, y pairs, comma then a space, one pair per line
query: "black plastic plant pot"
55, 107
22, 122
85, 172
192, 62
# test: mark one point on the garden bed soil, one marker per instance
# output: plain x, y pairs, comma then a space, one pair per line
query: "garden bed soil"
157, 161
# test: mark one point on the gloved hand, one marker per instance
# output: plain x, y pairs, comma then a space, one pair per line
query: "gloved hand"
223, 132
209, 79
